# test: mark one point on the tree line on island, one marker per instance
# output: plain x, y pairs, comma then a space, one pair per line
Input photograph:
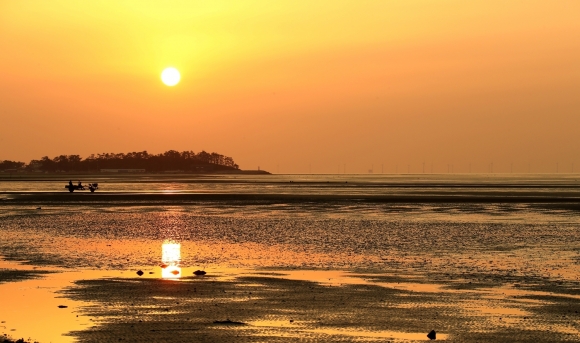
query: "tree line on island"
185, 161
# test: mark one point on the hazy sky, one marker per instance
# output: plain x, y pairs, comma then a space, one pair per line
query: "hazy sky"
297, 86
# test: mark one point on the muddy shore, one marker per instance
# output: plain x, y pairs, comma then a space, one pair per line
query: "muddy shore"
294, 262
323, 306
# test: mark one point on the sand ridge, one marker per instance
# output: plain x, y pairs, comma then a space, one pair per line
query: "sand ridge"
282, 308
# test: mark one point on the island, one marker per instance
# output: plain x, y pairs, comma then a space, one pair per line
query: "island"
171, 161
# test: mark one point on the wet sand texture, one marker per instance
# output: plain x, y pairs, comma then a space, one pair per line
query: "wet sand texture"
569, 197
280, 310
474, 258
10, 275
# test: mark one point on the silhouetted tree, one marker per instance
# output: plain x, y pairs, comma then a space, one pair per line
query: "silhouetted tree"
5, 165
169, 160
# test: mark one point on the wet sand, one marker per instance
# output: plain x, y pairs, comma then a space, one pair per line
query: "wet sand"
267, 308
487, 263
568, 199
294, 305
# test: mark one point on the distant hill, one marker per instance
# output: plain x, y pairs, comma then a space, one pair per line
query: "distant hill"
169, 161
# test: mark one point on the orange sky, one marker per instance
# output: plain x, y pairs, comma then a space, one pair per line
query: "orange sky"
294, 86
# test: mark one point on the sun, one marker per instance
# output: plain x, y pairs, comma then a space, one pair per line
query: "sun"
170, 76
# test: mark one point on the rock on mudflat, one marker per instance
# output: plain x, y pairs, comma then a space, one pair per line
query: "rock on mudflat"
139, 272
228, 322
432, 335
199, 272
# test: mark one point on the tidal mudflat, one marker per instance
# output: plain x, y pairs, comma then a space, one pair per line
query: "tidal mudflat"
294, 258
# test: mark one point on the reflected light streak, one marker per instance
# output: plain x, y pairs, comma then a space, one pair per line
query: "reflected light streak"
171, 260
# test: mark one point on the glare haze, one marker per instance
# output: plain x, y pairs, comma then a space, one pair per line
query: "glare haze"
298, 87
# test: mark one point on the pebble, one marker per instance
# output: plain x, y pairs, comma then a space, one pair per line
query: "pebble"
432, 335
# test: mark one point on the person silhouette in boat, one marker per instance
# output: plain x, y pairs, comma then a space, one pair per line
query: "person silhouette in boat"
70, 185
80, 186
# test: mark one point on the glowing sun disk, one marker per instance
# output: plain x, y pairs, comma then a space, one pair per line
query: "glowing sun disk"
170, 76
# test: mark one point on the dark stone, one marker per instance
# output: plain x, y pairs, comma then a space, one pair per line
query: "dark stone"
432, 335
199, 272
228, 322
139, 272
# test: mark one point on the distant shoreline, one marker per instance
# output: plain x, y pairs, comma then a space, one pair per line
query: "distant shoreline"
4, 176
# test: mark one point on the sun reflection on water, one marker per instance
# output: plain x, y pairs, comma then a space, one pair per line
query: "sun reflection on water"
171, 260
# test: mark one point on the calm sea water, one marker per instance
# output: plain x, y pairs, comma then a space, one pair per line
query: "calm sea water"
307, 184
508, 225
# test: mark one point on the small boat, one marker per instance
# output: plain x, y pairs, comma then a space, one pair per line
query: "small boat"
92, 187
